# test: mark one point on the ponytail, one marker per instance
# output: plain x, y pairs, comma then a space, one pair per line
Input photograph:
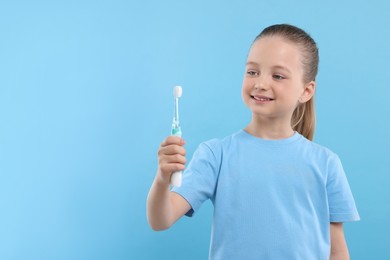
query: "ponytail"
304, 119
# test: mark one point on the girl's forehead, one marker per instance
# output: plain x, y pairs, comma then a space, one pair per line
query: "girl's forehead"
275, 49
274, 39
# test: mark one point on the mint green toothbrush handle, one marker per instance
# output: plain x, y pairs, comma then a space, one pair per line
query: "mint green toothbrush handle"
176, 177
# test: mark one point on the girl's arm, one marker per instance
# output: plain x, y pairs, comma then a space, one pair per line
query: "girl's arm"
163, 206
338, 249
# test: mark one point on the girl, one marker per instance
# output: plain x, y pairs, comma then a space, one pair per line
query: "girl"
276, 194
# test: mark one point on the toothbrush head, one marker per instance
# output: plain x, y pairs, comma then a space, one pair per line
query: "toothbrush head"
177, 91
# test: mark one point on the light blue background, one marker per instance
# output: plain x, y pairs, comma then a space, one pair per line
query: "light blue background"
86, 99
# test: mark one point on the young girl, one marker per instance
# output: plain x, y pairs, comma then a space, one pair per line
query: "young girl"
276, 194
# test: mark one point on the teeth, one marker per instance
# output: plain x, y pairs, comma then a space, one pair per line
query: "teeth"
262, 99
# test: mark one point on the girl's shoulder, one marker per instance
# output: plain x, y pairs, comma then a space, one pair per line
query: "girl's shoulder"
318, 150
220, 142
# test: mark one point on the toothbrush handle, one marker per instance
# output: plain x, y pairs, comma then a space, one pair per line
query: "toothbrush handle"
176, 177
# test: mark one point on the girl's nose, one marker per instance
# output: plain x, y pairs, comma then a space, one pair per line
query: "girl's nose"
260, 85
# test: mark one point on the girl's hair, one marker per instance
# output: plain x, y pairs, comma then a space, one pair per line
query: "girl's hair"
304, 118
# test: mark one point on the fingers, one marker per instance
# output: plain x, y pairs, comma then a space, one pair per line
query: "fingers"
171, 150
172, 159
168, 168
172, 145
171, 156
173, 140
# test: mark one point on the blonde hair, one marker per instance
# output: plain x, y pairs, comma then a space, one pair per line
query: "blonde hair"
304, 118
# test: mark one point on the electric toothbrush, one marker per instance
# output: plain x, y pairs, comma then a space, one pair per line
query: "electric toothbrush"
176, 131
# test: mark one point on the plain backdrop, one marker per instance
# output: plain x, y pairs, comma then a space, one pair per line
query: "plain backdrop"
86, 99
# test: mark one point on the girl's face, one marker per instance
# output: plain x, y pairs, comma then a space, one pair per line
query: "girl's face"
273, 83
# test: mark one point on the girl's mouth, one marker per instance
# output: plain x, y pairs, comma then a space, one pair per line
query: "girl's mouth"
261, 98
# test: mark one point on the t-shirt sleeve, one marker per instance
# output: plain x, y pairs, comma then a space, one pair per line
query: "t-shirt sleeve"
200, 177
342, 206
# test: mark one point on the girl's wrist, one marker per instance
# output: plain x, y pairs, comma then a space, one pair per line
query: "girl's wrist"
161, 182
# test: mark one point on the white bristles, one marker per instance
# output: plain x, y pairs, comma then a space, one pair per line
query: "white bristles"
177, 91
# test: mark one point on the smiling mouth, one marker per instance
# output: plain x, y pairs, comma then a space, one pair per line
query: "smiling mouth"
261, 98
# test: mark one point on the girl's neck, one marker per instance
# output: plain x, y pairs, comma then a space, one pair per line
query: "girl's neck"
270, 129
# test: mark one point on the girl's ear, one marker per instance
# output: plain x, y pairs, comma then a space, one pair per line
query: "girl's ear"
308, 92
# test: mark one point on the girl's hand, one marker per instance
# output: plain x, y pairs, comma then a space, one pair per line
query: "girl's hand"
163, 206
171, 158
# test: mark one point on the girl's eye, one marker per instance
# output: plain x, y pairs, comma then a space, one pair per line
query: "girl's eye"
278, 77
252, 73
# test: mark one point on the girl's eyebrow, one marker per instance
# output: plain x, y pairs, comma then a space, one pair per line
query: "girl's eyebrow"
274, 67
252, 63
282, 68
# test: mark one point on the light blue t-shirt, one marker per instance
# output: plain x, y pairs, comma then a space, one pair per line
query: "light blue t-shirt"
273, 199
